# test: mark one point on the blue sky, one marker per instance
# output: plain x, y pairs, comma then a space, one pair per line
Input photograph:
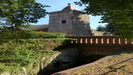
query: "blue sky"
57, 5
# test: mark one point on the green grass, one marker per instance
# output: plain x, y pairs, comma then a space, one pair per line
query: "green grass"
15, 55
120, 64
24, 49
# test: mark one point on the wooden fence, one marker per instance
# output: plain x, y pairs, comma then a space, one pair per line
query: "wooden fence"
100, 40
103, 45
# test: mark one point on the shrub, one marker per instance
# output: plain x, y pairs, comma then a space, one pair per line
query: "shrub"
7, 35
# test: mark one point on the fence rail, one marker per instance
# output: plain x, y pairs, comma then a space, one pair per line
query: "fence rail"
99, 40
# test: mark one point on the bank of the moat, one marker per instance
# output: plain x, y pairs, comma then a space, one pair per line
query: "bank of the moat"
66, 59
58, 61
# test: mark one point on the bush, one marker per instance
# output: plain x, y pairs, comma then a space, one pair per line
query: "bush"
7, 35
48, 35
16, 55
42, 44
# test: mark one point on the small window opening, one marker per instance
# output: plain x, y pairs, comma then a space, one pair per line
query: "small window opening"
63, 21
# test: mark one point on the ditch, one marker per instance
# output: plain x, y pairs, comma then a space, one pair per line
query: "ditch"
62, 64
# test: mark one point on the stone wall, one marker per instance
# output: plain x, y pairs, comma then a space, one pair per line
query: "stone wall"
81, 24
76, 23
64, 60
55, 24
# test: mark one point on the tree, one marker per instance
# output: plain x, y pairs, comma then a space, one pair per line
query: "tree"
20, 12
100, 28
110, 28
118, 12
107, 28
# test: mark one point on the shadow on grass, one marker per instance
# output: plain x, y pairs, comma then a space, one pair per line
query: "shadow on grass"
113, 69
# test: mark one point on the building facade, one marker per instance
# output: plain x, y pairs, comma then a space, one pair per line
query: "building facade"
70, 21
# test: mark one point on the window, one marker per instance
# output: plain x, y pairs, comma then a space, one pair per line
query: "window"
63, 21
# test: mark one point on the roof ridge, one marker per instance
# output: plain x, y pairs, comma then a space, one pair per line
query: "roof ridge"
69, 8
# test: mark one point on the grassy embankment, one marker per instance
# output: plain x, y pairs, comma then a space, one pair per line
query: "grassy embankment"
20, 50
118, 64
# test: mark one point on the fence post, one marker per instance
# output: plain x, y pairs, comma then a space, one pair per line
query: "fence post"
110, 40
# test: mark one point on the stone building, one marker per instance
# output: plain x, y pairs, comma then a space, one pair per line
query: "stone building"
70, 21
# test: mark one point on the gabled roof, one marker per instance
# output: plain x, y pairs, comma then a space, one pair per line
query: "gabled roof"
69, 8
36, 27
66, 9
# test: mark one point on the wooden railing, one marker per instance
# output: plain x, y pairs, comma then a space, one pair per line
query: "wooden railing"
100, 40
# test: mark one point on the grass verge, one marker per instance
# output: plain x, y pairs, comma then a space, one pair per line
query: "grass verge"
119, 64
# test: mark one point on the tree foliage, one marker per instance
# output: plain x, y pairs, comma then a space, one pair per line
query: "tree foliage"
100, 28
107, 28
110, 28
118, 12
20, 12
